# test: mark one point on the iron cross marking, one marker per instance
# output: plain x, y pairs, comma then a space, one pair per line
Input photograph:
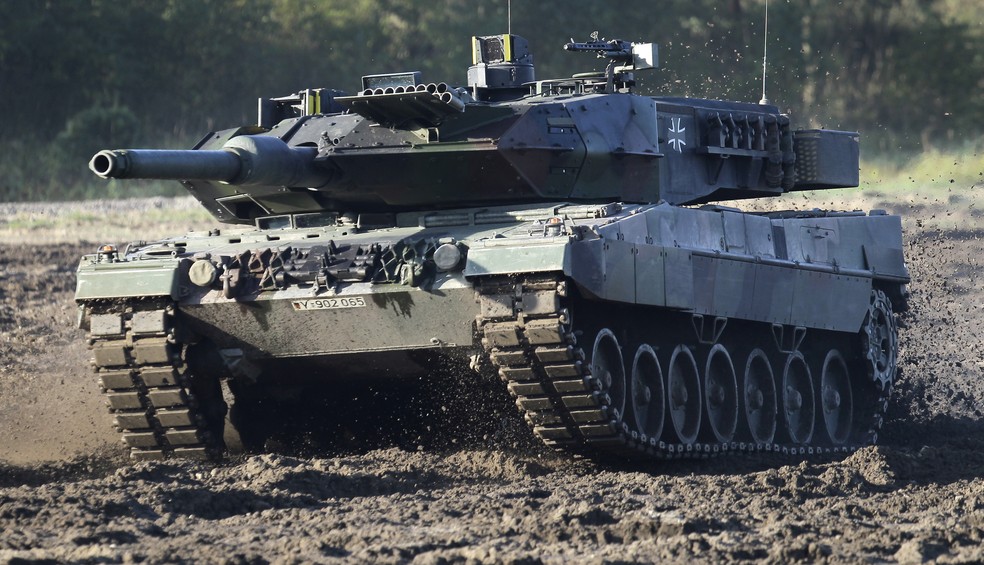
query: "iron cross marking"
676, 135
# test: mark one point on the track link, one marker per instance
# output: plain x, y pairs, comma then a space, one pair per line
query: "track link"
530, 340
147, 384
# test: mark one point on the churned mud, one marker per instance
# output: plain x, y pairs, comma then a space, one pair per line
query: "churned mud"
67, 493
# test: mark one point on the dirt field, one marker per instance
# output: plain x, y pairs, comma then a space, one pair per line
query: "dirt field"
68, 494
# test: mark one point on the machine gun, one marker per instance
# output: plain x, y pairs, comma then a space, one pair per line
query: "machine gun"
624, 57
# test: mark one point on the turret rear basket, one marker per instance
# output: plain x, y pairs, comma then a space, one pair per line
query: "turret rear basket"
826, 159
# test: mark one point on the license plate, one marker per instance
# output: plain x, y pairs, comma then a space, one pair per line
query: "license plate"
329, 303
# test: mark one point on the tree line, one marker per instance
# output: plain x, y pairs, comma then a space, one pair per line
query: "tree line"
80, 75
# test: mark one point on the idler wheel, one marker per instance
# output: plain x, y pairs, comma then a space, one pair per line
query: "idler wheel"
797, 399
721, 394
646, 392
607, 367
759, 391
683, 394
836, 400
879, 340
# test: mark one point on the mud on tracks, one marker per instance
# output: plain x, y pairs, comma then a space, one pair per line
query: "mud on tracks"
68, 494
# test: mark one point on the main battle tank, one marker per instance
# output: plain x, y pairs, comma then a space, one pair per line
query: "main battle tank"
559, 234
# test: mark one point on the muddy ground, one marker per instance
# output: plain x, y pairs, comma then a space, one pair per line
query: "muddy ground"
67, 493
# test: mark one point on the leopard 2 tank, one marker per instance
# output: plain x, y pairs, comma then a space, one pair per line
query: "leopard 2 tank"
561, 234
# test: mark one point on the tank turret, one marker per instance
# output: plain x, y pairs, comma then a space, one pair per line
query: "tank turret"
401, 143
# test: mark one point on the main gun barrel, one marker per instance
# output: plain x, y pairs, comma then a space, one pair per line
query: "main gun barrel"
243, 160
218, 165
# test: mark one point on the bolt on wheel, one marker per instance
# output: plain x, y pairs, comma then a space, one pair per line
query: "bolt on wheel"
759, 388
721, 394
836, 399
797, 399
607, 367
646, 392
683, 392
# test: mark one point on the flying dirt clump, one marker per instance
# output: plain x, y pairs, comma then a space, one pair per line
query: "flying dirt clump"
67, 492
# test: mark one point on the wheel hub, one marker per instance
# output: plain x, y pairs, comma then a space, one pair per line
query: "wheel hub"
680, 396
794, 400
756, 398
831, 399
717, 395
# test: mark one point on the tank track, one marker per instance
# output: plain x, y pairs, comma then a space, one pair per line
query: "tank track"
538, 357
148, 387
526, 330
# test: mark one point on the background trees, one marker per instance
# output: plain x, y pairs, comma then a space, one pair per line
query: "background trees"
78, 75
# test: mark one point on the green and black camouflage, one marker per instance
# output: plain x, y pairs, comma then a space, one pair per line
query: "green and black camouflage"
560, 234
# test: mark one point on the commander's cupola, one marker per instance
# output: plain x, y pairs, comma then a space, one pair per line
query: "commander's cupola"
502, 64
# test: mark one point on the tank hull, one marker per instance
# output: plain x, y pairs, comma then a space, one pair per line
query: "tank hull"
561, 301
